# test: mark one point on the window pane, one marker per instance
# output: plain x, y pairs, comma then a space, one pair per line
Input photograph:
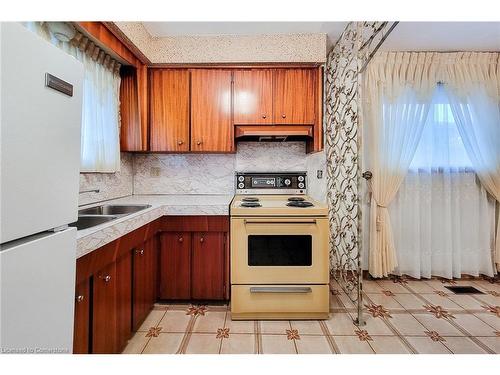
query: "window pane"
441, 146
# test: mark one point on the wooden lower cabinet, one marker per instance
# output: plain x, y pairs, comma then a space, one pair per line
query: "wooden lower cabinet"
175, 265
104, 312
115, 291
144, 284
123, 300
194, 258
207, 266
118, 284
82, 318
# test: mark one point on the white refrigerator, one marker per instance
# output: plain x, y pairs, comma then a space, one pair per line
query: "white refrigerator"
40, 114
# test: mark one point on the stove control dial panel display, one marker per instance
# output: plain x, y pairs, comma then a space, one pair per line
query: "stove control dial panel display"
271, 183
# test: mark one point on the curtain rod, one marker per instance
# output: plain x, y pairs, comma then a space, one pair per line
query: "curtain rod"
382, 40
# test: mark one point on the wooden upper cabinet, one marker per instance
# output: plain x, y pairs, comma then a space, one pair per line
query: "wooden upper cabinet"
295, 96
130, 134
211, 126
142, 96
253, 96
133, 109
169, 110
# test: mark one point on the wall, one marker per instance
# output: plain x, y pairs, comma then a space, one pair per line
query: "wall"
111, 185
214, 173
317, 186
226, 48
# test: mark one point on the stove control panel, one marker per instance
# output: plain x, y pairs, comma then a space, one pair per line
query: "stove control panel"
271, 183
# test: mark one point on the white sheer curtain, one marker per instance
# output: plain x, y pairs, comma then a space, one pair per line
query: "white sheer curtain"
395, 113
100, 146
474, 94
401, 82
442, 218
100, 142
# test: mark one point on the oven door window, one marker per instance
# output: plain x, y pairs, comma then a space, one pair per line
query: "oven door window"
280, 250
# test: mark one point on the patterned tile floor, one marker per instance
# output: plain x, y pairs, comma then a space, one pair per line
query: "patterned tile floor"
402, 316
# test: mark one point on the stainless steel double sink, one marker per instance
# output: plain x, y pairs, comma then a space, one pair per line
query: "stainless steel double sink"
93, 216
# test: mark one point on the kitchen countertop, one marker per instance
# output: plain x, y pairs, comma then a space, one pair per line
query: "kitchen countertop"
93, 238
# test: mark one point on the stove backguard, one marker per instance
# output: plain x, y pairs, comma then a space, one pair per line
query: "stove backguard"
271, 183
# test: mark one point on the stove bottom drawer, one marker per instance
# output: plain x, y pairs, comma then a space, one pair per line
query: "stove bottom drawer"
279, 302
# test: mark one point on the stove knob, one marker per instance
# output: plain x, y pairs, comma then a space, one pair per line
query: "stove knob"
241, 185
301, 185
287, 182
301, 178
241, 178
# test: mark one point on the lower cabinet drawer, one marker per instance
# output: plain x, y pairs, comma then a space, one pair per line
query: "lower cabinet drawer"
279, 302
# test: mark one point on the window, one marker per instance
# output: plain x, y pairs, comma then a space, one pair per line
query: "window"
100, 137
441, 145
100, 146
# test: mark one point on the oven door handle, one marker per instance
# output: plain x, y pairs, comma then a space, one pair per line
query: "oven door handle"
313, 221
280, 289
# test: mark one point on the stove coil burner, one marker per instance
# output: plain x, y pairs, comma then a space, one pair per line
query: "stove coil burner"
250, 199
299, 204
250, 204
296, 199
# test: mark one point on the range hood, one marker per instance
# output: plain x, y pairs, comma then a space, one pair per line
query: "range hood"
273, 133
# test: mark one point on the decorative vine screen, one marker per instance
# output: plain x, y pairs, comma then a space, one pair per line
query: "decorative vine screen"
345, 63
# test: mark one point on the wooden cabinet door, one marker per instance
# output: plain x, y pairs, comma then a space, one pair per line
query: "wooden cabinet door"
144, 283
175, 265
140, 276
81, 330
123, 300
169, 105
151, 249
207, 275
294, 96
133, 109
253, 96
211, 128
104, 333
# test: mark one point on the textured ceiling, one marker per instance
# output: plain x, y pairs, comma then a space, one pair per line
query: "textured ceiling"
444, 36
162, 29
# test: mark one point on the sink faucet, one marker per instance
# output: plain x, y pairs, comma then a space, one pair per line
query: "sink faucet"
89, 191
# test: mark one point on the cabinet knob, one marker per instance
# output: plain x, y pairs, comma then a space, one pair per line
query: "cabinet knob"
283, 115
199, 143
202, 239
79, 298
181, 239
106, 278
264, 116
180, 143
140, 252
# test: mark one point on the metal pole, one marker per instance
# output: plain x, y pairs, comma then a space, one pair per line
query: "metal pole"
359, 321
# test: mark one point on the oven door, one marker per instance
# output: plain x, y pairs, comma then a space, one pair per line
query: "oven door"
279, 251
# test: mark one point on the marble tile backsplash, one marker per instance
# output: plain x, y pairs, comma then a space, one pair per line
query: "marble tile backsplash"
202, 173
110, 185
213, 173
184, 173
271, 156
